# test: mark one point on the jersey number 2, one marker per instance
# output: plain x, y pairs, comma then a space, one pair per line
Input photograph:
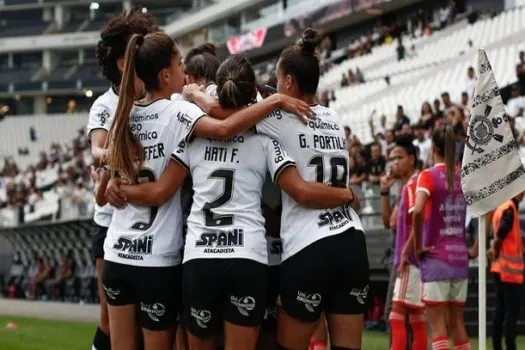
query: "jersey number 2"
143, 226
335, 164
214, 220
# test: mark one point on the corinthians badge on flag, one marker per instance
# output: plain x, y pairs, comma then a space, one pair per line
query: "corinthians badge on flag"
492, 172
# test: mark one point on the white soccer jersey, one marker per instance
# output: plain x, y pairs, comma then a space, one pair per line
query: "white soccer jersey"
101, 116
144, 236
321, 154
226, 219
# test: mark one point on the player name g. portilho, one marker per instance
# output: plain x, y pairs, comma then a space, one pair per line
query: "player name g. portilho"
134, 249
323, 142
335, 218
220, 242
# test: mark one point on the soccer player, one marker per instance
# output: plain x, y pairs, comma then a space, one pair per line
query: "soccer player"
202, 64
324, 261
142, 247
439, 231
407, 295
110, 53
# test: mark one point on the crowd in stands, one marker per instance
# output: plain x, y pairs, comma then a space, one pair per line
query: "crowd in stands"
62, 173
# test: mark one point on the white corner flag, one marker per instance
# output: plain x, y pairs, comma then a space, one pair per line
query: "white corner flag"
492, 172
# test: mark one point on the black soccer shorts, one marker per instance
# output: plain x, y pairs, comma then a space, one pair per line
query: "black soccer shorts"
216, 290
98, 235
329, 275
155, 290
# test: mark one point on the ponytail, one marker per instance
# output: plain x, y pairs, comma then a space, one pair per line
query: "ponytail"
123, 147
450, 156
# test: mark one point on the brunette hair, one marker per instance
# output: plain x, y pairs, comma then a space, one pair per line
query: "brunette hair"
444, 141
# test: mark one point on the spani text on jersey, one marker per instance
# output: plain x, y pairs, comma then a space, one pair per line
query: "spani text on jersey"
134, 249
221, 241
335, 218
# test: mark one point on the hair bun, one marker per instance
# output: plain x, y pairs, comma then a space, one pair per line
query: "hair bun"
310, 41
207, 48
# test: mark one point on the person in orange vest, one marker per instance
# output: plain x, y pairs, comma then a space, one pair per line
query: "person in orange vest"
506, 251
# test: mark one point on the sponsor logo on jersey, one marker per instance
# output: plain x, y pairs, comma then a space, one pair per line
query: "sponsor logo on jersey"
335, 218
147, 135
134, 249
275, 114
184, 119
221, 241
111, 293
320, 124
141, 118
360, 294
311, 301
103, 117
154, 311
243, 304
202, 317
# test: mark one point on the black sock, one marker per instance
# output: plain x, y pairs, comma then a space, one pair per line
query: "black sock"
101, 340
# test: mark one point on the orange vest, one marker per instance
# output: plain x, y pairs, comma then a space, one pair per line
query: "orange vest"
509, 264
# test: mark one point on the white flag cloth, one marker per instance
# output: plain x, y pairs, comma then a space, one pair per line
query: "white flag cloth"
492, 172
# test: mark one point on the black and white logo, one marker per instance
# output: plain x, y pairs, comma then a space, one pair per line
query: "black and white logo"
154, 311
360, 294
221, 242
482, 131
134, 249
311, 301
111, 293
243, 304
203, 317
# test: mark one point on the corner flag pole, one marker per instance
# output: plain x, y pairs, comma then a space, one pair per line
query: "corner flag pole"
482, 282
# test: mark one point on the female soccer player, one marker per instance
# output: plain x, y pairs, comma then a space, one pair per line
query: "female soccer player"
407, 295
439, 231
324, 262
142, 247
225, 240
110, 53
202, 64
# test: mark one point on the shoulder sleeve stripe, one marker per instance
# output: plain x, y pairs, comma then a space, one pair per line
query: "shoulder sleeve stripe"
96, 129
422, 189
189, 135
178, 160
281, 168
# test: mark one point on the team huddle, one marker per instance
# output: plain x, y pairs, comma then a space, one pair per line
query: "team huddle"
185, 242
224, 217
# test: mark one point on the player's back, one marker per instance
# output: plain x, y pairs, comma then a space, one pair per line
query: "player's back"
152, 234
320, 152
226, 219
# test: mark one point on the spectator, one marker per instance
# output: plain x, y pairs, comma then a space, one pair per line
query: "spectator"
406, 130
65, 273
470, 82
516, 104
359, 76
79, 198
32, 134
444, 16
465, 104
401, 51
520, 70
348, 133
401, 119
446, 101
375, 167
438, 112
423, 143
344, 80
427, 118
357, 169
390, 141
43, 273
